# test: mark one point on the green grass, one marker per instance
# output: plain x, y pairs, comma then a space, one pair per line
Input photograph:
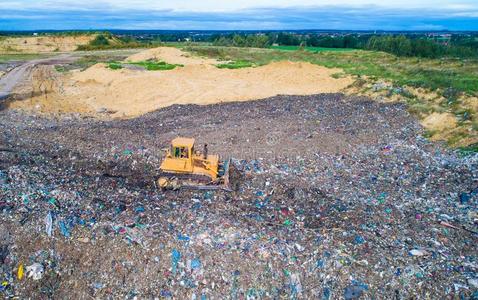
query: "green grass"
468, 150
155, 65
147, 65
87, 61
238, 64
115, 65
428, 73
312, 49
116, 46
61, 68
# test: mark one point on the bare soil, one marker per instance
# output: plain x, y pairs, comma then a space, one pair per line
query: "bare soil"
40, 44
127, 93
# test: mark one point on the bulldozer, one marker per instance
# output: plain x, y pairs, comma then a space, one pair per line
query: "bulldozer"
185, 167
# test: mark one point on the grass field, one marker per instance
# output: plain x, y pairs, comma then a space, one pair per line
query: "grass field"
155, 65
238, 64
312, 49
147, 65
115, 65
427, 73
451, 79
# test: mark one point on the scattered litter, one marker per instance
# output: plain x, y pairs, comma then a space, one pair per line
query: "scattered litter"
356, 206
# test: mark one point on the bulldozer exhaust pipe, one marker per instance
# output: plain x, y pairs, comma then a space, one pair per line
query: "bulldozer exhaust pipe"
205, 151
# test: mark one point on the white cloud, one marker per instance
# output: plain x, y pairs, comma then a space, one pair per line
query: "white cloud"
228, 5
247, 14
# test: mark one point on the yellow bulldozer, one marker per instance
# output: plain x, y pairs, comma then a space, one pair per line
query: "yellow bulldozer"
185, 167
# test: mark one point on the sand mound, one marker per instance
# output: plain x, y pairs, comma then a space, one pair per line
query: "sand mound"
170, 55
130, 93
44, 43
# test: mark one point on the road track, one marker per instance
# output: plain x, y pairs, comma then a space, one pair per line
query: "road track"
22, 73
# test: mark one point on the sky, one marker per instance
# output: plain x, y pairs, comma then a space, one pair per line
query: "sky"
239, 14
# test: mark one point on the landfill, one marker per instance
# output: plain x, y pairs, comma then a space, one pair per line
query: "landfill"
334, 197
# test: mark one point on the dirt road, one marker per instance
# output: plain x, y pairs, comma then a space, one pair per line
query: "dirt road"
21, 73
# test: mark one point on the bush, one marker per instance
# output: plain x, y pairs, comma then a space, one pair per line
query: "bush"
236, 65
155, 65
115, 66
100, 40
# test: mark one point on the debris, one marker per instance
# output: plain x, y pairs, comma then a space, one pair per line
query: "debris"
84, 240
352, 292
195, 264
446, 224
359, 240
295, 284
48, 224
473, 282
65, 231
464, 198
175, 257
379, 86
20, 272
35, 271
418, 252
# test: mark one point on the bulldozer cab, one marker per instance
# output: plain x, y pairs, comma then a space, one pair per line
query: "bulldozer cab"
180, 152
179, 157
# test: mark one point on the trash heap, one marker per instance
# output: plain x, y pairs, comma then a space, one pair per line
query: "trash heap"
335, 198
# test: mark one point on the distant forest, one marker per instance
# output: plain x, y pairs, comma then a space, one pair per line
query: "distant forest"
416, 44
446, 45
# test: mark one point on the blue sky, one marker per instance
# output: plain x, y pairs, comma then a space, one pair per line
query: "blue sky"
240, 15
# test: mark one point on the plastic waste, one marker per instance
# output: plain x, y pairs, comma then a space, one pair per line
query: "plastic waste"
20, 272
195, 263
48, 224
418, 252
175, 257
65, 231
35, 271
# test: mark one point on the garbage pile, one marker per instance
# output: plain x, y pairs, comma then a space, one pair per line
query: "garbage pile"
335, 198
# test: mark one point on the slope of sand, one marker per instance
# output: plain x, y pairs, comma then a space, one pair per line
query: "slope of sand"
170, 55
130, 93
39, 44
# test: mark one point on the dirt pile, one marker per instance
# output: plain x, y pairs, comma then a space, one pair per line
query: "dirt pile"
339, 198
130, 93
37, 44
172, 56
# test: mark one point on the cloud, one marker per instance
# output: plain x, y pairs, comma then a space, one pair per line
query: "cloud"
118, 15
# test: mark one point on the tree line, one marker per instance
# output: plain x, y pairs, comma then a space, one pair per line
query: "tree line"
400, 45
403, 46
